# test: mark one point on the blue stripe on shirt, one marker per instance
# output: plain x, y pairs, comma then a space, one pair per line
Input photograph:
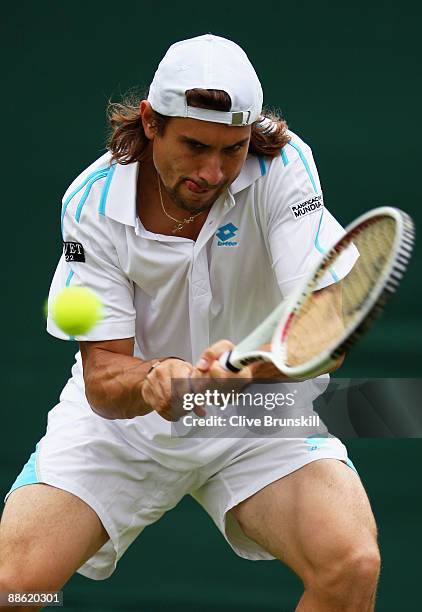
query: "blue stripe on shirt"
86, 194
104, 193
305, 163
66, 203
284, 157
262, 165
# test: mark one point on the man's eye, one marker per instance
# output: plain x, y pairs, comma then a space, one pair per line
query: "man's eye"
196, 146
235, 149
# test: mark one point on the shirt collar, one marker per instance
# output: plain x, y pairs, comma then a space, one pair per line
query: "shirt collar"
121, 198
251, 171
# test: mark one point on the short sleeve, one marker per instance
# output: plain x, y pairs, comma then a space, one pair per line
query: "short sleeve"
90, 260
297, 226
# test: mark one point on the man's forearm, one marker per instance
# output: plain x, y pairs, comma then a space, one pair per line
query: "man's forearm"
113, 384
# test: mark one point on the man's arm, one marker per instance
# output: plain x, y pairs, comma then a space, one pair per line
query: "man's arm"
121, 386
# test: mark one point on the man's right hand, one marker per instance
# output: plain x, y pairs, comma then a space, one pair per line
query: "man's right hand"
121, 386
160, 394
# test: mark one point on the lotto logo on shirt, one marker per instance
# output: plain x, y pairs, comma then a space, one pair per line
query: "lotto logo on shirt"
308, 207
225, 235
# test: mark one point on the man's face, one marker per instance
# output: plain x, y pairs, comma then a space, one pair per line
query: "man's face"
197, 160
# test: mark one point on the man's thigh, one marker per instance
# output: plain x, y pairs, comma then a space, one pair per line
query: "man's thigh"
46, 534
310, 516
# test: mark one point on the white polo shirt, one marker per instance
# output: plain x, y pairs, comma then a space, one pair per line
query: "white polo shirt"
177, 296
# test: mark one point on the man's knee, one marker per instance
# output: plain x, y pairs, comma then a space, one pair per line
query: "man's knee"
10, 583
352, 575
46, 534
21, 573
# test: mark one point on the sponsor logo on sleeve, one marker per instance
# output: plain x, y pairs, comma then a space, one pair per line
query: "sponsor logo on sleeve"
73, 251
308, 207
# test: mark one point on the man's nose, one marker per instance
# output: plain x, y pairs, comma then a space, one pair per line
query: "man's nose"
211, 172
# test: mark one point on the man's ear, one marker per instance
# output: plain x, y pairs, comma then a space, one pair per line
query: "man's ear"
147, 119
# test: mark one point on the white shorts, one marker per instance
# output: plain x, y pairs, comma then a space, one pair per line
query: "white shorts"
86, 455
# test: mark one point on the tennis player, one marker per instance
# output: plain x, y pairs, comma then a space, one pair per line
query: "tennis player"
201, 216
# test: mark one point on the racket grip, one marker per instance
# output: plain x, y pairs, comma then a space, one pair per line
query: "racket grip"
227, 365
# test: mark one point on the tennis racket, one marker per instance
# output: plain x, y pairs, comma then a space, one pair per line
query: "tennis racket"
325, 316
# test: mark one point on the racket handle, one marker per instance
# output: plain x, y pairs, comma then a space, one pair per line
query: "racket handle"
227, 365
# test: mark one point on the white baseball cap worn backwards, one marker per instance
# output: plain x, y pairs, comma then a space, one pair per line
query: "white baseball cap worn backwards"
207, 62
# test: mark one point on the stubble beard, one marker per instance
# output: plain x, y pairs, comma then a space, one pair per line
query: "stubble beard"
188, 206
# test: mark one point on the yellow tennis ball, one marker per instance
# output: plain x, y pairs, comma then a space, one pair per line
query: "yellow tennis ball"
76, 310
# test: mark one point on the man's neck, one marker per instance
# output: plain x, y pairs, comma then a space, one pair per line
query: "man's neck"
150, 211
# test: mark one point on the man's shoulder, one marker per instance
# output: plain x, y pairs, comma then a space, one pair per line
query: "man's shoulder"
95, 171
106, 189
295, 150
261, 167
293, 168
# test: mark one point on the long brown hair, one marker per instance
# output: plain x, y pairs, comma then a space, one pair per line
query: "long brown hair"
128, 142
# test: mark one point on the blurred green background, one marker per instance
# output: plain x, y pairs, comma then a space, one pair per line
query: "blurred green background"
348, 80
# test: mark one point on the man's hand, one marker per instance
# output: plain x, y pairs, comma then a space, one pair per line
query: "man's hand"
121, 386
157, 388
209, 365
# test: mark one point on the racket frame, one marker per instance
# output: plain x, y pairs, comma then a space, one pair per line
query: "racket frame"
246, 352
382, 291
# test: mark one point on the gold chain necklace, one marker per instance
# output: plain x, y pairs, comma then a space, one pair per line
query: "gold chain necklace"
179, 224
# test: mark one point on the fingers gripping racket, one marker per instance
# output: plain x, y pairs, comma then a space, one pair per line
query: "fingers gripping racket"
323, 317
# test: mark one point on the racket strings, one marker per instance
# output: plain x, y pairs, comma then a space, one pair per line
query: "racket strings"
325, 316
315, 326
374, 243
